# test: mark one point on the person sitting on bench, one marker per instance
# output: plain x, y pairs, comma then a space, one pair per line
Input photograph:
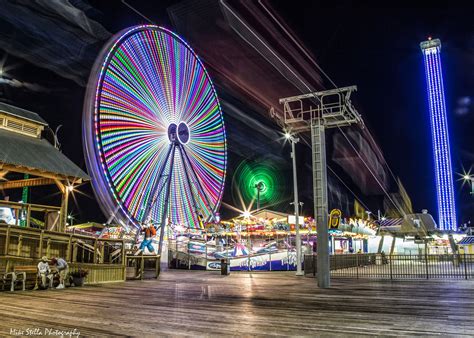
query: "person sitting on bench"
44, 272
63, 269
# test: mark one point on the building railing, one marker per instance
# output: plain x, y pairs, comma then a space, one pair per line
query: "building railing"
23, 214
448, 266
103, 258
142, 266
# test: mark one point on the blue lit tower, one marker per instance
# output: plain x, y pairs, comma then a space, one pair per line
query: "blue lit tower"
439, 131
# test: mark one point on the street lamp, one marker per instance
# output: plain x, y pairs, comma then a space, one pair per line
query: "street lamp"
470, 180
246, 214
293, 141
301, 205
71, 218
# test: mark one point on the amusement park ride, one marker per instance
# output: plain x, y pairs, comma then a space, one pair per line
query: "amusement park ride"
154, 133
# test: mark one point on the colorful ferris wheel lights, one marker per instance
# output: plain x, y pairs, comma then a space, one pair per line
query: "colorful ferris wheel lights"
150, 80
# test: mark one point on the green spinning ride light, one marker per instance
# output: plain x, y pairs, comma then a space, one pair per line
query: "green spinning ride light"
249, 175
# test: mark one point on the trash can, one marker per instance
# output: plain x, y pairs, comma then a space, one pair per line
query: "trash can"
225, 267
378, 260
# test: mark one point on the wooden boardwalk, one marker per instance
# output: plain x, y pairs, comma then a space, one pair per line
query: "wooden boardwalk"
193, 303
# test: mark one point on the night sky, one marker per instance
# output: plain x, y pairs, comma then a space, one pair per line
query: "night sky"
376, 49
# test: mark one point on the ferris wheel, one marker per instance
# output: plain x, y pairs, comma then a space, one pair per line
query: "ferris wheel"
154, 135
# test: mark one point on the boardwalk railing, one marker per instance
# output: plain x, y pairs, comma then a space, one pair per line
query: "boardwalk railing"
457, 266
103, 258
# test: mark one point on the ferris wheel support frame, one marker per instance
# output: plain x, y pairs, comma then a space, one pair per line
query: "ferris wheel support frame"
167, 198
212, 215
195, 205
187, 163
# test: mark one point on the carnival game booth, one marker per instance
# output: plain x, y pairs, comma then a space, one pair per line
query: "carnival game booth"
264, 241
352, 236
466, 245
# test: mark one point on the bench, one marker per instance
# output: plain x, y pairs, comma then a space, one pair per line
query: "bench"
25, 273
22, 272
7, 278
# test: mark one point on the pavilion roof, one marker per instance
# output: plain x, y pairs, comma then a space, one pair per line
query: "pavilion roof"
36, 154
22, 113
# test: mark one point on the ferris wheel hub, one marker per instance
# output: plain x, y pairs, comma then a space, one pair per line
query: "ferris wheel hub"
178, 133
183, 133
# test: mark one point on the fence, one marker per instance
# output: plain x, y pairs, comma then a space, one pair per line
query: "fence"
454, 266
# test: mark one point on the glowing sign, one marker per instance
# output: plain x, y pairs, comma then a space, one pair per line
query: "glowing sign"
334, 218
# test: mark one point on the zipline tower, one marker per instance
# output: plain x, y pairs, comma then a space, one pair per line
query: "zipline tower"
315, 112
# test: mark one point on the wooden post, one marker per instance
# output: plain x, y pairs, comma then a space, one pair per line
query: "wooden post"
158, 266
64, 205
68, 250
95, 252
124, 261
40, 250
28, 215
48, 247
17, 216
102, 250
142, 266
7, 241
74, 252
20, 242
63, 216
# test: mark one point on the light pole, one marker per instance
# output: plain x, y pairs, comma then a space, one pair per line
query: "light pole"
293, 141
368, 214
259, 187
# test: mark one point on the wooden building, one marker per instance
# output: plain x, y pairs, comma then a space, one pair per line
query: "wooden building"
24, 150
27, 159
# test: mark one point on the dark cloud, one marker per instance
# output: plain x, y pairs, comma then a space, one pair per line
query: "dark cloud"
51, 34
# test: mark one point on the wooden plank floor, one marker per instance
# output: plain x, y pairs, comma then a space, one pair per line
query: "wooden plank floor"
205, 303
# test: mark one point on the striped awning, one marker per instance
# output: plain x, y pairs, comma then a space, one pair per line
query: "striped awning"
466, 240
390, 222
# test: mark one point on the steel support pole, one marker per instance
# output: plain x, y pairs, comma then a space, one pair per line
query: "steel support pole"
167, 196
153, 194
258, 198
320, 201
299, 271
